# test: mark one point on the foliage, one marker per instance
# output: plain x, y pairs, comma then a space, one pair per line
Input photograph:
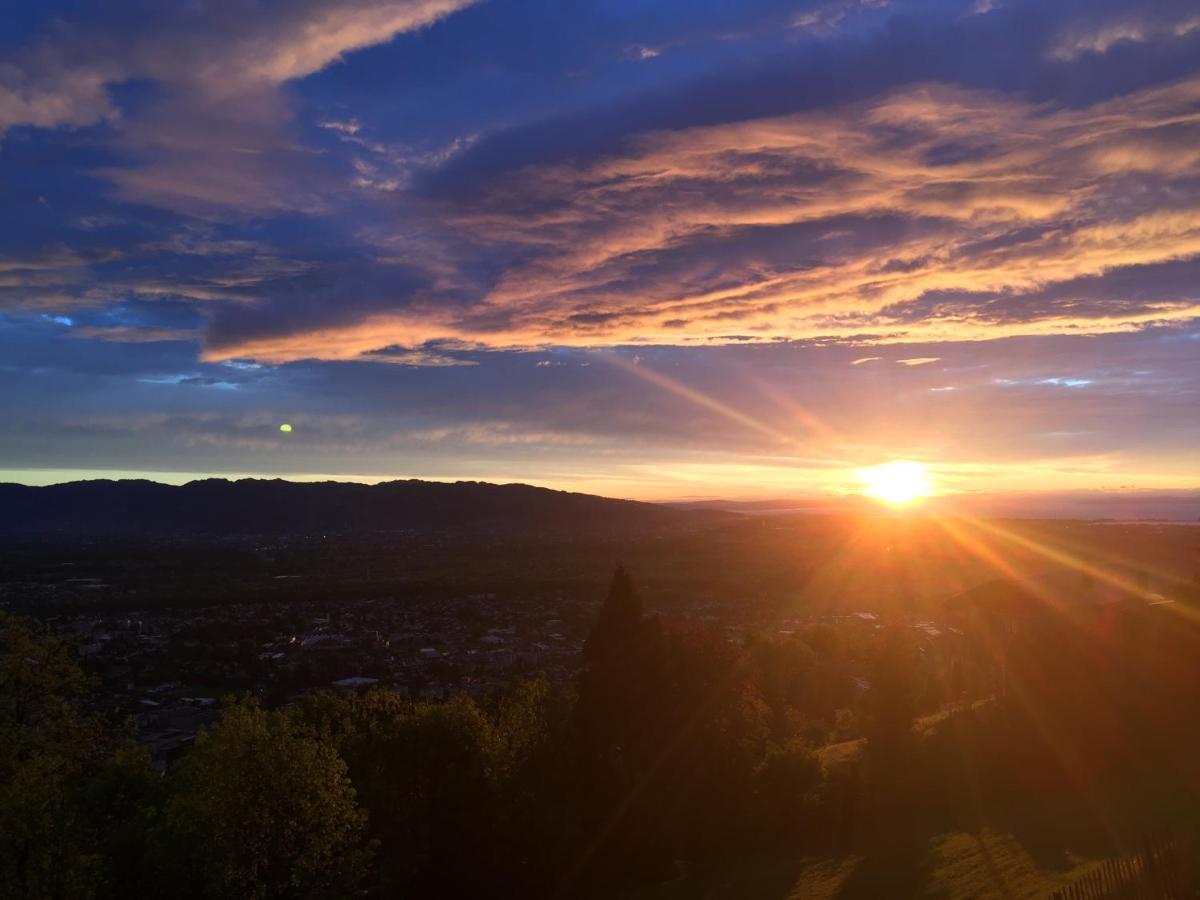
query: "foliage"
788, 789
675, 748
262, 809
446, 781
47, 751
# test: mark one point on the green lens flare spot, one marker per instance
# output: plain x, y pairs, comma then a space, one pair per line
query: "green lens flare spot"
285, 428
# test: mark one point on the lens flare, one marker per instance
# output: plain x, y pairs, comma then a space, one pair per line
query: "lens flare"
896, 483
285, 428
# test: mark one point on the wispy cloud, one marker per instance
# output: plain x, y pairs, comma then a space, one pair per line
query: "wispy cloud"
218, 51
218, 133
1136, 26
130, 334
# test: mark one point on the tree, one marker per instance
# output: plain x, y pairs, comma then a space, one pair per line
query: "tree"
670, 731
788, 786
892, 701
619, 620
428, 774
440, 774
891, 743
622, 653
47, 751
262, 809
123, 804
535, 829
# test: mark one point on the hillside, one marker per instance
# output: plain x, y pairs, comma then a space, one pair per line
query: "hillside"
252, 506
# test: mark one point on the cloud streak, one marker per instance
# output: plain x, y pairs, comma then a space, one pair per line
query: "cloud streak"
219, 50
832, 223
216, 131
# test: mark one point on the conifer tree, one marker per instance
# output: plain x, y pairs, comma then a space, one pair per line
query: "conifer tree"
619, 620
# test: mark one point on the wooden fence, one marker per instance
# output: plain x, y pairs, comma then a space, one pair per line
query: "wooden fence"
1163, 869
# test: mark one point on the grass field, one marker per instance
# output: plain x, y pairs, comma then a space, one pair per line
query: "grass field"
989, 864
954, 866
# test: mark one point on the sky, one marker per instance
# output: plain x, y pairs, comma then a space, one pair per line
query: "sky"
644, 248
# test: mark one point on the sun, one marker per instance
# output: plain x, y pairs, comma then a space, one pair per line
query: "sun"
896, 483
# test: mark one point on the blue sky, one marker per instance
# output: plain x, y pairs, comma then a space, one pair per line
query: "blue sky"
646, 248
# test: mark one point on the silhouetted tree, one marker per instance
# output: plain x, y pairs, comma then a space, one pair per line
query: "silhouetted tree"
892, 701
891, 744
670, 733
788, 785
458, 780
619, 621
124, 803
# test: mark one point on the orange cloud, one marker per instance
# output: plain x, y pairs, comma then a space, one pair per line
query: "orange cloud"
674, 241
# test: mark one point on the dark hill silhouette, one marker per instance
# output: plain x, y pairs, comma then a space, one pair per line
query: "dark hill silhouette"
253, 506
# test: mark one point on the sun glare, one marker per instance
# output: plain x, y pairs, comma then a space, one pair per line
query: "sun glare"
896, 483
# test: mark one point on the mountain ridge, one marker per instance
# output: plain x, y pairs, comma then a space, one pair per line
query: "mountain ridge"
278, 506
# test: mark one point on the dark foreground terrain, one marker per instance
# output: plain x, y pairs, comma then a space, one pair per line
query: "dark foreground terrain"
816, 706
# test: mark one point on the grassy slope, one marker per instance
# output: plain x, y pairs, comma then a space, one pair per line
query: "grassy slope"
954, 865
951, 866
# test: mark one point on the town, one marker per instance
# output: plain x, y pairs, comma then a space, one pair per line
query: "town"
168, 668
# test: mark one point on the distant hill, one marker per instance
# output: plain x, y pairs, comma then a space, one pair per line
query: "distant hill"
781, 506
1117, 505
253, 506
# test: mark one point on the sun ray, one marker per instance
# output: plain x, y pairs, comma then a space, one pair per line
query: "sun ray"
1069, 758
809, 420
697, 397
